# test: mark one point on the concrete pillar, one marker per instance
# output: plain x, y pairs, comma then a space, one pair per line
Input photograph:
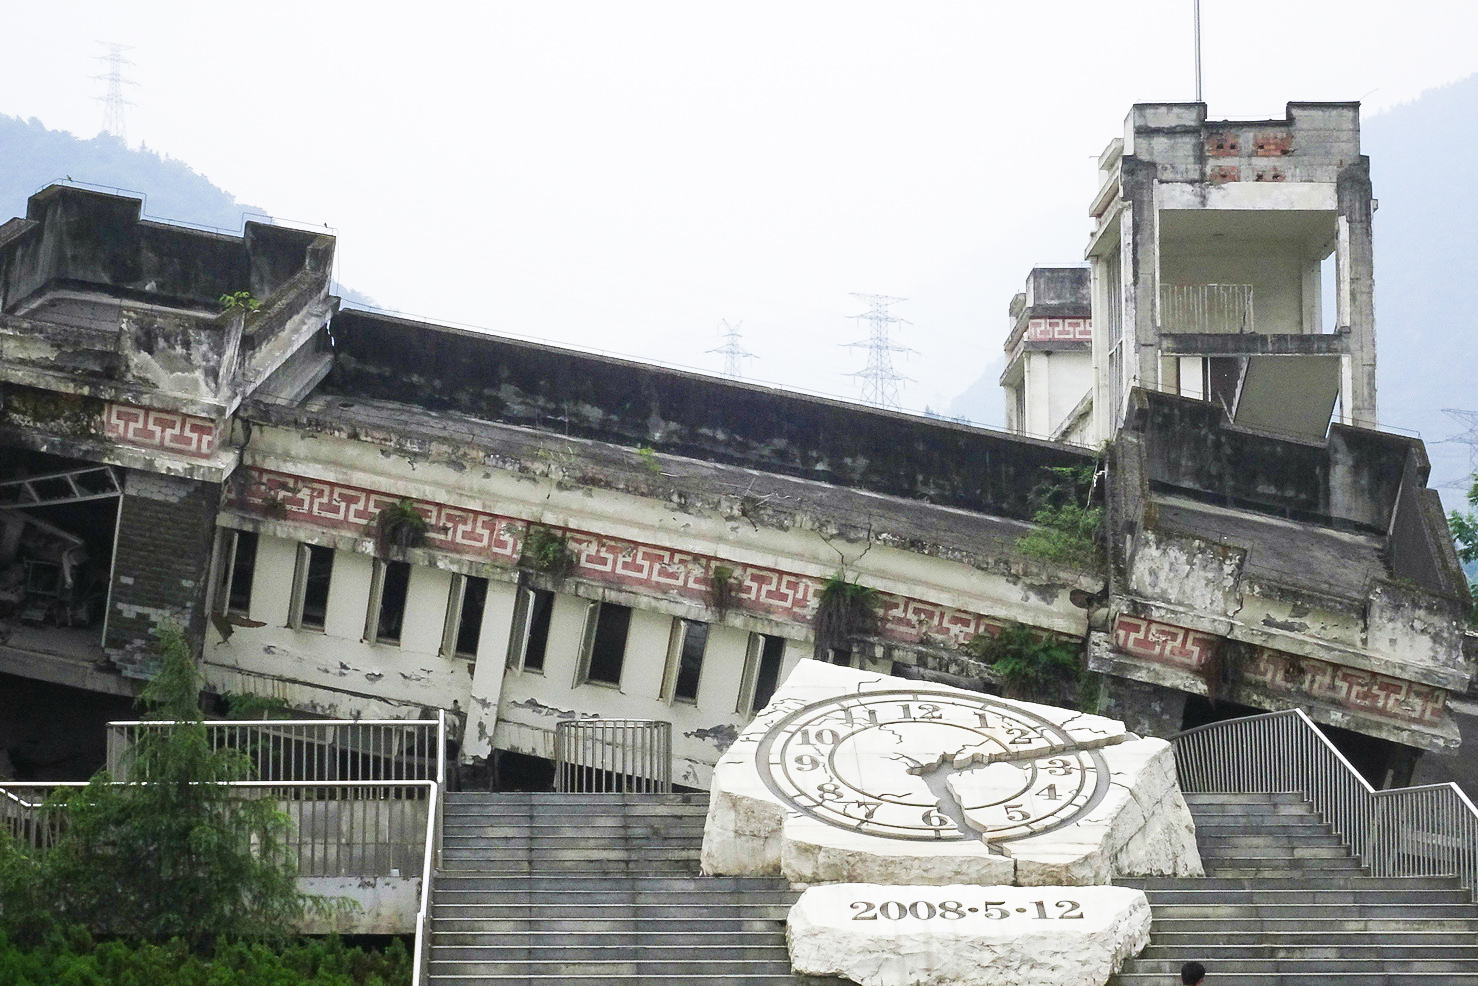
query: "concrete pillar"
1356, 289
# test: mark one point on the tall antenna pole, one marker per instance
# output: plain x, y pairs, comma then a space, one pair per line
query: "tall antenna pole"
1197, 5
879, 379
113, 102
731, 350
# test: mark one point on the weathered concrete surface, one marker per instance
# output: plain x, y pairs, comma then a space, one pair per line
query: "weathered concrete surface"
382, 905
967, 935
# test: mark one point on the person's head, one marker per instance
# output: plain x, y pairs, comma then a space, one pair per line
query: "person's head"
1192, 973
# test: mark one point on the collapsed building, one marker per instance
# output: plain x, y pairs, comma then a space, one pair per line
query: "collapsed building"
366, 516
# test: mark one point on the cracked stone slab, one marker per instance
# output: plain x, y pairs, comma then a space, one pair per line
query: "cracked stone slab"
963, 935
852, 776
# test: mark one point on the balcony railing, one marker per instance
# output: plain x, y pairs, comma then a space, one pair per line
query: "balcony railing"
598, 756
1412, 831
381, 822
309, 749
1204, 308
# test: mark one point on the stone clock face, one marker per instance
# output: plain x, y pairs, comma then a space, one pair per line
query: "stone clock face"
930, 765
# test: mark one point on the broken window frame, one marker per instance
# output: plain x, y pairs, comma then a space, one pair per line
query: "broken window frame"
226, 578
531, 624
595, 636
754, 661
375, 612
452, 629
683, 633
302, 571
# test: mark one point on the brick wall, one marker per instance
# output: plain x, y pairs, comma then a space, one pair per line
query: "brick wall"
161, 565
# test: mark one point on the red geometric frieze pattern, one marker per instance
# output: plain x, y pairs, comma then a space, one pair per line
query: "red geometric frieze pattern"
1060, 330
613, 561
149, 427
1164, 643
1350, 688
353, 509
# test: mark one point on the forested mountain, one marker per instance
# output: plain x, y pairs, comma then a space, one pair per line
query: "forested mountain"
34, 157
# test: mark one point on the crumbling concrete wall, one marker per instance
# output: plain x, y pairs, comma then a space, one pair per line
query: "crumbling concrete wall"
160, 568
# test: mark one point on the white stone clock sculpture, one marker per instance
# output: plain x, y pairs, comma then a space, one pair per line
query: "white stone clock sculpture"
920, 798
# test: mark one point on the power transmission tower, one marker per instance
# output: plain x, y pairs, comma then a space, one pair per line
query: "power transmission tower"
731, 350
113, 102
879, 380
1468, 438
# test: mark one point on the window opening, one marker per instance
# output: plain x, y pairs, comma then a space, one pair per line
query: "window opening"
310, 587
531, 619
394, 585
469, 619
761, 672
685, 661
607, 645
238, 560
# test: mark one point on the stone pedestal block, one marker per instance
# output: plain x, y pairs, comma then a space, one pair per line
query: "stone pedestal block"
963, 935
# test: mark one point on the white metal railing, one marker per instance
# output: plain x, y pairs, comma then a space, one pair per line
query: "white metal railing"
595, 756
360, 827
1411, 831
1206, 308
310, 749
23, 813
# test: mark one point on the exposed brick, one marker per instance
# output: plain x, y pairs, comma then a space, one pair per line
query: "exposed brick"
1223, 143
1273, 143
161, 565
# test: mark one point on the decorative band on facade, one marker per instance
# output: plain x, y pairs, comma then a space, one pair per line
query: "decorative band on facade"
1355, 689
169, 431
1163, 643
613, 561
1060, 330
1281, 673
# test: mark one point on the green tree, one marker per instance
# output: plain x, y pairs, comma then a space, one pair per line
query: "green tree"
171, 850
1465, 534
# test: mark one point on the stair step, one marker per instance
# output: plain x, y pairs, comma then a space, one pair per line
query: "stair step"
1381, 978
1284, 882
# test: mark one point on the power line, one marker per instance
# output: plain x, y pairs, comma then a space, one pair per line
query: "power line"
879, 380
113, 102
1468, 438
731, 350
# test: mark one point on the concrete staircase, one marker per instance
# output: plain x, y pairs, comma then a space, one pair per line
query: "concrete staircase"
1283, 901
597, 889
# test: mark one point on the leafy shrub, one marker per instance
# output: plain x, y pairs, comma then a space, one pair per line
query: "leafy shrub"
242, 300
1068, 527
398, 525
173, 851
1028, 663
546, 550
846, 610
723, 590
76, 959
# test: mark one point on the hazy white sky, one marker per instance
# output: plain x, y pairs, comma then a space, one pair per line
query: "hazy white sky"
623, 175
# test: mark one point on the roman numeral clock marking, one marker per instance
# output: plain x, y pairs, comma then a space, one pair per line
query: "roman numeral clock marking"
924, 765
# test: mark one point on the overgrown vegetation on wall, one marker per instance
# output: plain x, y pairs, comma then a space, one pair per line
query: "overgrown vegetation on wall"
399, 525
723, 590
847, 610
1030, 664
1068, 525
547, 550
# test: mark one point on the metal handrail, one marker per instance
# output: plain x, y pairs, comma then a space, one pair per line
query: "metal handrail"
310, 749
600, 756
421, 956
1431, 830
